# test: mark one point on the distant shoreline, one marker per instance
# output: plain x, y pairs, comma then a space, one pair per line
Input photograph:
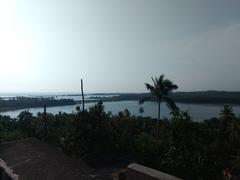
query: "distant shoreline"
17, 103
201, 97
218, 98
2, 110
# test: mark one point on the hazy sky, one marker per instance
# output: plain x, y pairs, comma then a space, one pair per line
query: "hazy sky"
117, 45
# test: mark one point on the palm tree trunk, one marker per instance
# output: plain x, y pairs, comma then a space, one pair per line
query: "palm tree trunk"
158, 121
159, 108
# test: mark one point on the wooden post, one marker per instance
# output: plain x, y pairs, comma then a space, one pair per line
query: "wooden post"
45, 120
44, 113
82, 94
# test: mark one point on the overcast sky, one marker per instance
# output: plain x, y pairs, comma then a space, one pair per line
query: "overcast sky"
118, 45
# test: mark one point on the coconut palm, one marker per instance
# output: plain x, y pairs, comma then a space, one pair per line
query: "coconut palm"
160, 91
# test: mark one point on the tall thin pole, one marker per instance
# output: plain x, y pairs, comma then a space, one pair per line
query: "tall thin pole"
45, 120
82, 94
45, 113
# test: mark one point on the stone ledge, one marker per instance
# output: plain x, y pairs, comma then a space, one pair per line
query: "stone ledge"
139, 172
6, 172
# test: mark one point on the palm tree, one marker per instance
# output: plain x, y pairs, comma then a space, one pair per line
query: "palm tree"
160, 91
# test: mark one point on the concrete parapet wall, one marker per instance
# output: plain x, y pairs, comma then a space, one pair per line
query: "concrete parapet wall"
6, 172
138, 172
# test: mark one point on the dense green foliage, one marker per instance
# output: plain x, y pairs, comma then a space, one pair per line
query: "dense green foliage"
30, 102
191, 150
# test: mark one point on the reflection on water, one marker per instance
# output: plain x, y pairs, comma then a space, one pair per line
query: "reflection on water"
197, 111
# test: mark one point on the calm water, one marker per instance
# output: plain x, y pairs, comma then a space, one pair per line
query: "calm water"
198, 112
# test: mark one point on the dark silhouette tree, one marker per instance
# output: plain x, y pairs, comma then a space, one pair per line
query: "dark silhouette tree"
141, 110
160, 91
227, 112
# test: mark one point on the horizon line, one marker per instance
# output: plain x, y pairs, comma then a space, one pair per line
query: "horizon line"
78, 93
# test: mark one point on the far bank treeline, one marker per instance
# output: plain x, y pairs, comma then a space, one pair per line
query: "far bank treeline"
198, 97
31, 102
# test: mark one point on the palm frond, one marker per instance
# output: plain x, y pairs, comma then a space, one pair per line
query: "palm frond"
170, 103
149, 87
160, 80
155, 81
174, 87
168, 87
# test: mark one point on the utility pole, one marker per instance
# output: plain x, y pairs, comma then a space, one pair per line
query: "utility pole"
45, 121
44, 113
82, 94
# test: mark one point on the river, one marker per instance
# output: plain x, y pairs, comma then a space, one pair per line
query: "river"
198, 112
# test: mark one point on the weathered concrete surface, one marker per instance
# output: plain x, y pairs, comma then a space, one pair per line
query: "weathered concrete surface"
6, 172
139, 172
32, 159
